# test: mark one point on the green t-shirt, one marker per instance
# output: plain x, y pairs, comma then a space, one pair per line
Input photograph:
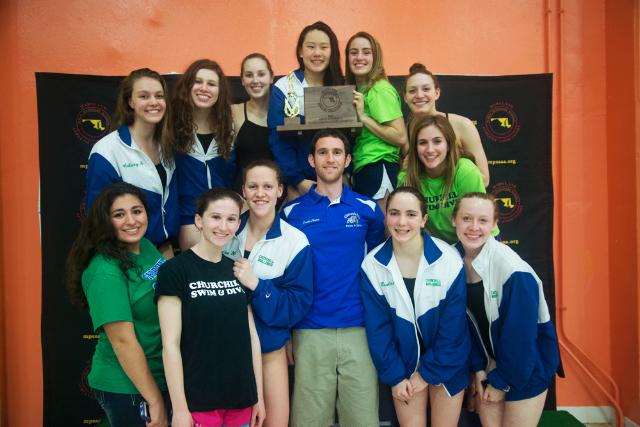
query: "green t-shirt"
466, 179
114, 298
381, 103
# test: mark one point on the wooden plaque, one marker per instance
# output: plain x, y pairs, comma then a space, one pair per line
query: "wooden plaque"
326, 107
329, 104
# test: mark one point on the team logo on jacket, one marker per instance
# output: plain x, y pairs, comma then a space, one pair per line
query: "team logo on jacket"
432, 282
384, 284
231, 253
501, 122
266, 261
92, 122
132, 164
352, 220
152, 273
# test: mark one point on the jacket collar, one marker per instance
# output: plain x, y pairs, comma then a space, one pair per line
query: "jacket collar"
431, 252
273, 232
481, 262
125, 135
299, 73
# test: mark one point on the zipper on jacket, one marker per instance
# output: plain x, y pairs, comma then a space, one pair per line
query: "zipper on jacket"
206, 169
488, 310
165, 197
256, 249
166, 234
477, 328
165, 191
415, 325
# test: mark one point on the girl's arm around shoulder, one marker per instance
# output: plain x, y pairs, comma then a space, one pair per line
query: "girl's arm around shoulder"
469, 136
385, 120
392, 132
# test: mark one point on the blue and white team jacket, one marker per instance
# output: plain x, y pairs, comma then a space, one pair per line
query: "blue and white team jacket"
289, 150
116, 157
394, 326
282, 262
197, 172
523, 338
340, 233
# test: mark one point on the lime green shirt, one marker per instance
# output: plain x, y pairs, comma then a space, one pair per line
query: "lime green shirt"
381, 103
466, 179
114, 298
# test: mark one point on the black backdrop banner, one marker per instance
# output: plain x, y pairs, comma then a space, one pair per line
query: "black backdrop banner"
511, 113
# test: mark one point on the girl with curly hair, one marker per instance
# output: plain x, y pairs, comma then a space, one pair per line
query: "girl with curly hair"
111, 270
203, 138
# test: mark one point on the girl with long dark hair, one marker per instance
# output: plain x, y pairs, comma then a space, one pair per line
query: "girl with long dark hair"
111, 270
318, 57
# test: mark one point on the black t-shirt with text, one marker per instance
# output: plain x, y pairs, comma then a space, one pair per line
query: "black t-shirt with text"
215, 341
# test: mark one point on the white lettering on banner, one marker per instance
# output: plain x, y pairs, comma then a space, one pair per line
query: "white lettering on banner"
201, 288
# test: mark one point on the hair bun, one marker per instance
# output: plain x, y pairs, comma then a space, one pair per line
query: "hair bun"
417, 68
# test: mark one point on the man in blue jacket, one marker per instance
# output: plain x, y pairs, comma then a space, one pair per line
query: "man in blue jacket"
333, 365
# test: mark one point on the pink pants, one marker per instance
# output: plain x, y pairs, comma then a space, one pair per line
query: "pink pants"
223, 418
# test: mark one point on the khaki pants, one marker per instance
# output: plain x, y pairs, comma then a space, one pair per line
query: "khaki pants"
334, 370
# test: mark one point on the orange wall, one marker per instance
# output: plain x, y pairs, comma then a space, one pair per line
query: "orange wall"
580, 149
621, 99
595, 131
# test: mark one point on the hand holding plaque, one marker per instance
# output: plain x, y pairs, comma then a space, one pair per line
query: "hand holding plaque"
358, 103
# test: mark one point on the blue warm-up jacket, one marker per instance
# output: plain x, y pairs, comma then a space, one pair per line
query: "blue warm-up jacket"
115, 158
522, 335
197, 172
282, 262
394, 326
